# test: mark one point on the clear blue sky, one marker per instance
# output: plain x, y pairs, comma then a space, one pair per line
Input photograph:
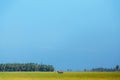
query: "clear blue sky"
69, 34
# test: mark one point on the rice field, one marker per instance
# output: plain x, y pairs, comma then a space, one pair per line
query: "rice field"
56, 76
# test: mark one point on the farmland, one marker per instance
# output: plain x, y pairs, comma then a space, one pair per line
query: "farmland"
56, 76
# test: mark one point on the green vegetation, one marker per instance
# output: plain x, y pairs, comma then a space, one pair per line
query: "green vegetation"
56, 76
26, 67
116, 68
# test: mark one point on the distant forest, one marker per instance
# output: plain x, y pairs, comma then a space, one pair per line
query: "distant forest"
116, 68
26, 67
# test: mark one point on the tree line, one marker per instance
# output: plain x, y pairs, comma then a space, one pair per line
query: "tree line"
26, 67
116, 68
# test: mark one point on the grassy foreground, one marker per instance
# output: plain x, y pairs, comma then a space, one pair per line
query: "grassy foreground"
56, 76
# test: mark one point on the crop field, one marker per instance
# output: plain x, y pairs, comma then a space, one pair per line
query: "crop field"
56, 76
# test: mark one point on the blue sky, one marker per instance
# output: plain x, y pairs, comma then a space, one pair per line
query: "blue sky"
69, 34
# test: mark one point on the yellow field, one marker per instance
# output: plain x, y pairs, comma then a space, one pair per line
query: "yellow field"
56, 76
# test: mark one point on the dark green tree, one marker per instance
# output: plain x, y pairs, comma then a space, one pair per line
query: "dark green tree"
117, 68
25, 67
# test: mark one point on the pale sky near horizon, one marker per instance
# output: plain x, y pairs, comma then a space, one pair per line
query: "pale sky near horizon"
69, 34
